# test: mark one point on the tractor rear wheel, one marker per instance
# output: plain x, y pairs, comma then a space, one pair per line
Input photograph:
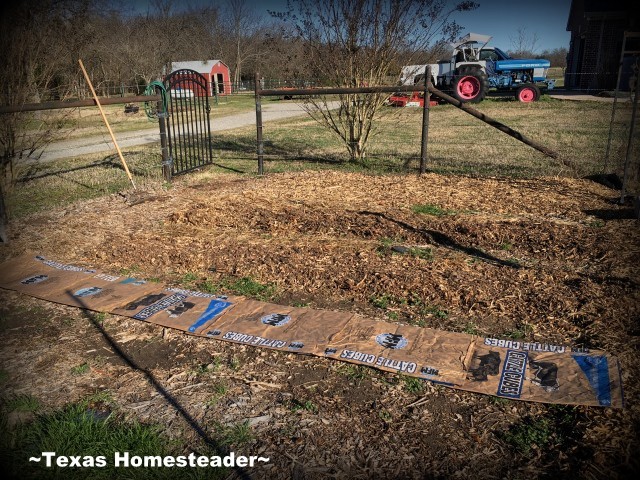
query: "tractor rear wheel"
471, 84
528, 93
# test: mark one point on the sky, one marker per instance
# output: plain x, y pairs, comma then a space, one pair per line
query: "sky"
545, 19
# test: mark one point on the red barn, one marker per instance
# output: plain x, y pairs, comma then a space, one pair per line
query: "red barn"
215, 71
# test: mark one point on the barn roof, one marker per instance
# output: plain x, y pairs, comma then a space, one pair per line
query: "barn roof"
200, 66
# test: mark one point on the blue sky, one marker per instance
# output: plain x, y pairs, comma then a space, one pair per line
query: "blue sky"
546, 19
501, 19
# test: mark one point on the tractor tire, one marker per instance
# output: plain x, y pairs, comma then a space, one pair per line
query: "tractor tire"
527, 93
471, 84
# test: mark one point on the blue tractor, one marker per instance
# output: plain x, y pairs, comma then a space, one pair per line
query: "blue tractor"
475, 68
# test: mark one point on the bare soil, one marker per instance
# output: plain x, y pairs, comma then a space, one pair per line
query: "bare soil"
551, 260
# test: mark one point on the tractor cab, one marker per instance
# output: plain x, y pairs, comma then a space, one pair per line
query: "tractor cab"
492, 54
469, 48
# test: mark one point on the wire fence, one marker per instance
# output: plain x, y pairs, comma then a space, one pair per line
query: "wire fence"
622, 154
580, 131
594, 139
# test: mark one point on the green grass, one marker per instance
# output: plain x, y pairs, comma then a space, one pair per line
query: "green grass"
355, 373
188, 279
132, 270
459, 144
235, 435
382, 301
423, 253
234, 364
200, 370
436, 311
558, 429
385, 416
80, 369
87, 121
219, 390
429, 209
58, 183
78, 429
22, 403
412, 384
521, 332
307, 406
530, 434
471, 328
246, 286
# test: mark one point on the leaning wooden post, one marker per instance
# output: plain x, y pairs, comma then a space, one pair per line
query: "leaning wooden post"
259, 126
106, 122
494, 123
425, 120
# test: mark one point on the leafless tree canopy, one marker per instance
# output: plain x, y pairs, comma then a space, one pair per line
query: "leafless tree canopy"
354, 43
331, 43
523, 43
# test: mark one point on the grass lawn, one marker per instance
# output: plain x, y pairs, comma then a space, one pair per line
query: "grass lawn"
492, 242
458, 144
87, 121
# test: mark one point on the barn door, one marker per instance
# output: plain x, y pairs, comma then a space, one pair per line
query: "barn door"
188, 127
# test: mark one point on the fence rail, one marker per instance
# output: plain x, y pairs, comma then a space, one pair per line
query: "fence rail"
428, 89
33, 107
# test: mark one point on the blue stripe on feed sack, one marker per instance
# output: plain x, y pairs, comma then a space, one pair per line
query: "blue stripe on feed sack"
215, 308
596, 369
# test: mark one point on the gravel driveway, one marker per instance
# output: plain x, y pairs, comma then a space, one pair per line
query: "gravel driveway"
103, 143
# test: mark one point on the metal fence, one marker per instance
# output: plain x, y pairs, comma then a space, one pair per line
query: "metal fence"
622, 155
427, 90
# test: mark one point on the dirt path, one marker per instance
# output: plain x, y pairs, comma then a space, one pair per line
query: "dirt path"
103, 143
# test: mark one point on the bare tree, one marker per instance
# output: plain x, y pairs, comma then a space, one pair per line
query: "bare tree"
557, 57
34, 53
355, 43
523, 44
244, 26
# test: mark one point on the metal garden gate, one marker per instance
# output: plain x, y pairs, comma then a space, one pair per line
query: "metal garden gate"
188, 127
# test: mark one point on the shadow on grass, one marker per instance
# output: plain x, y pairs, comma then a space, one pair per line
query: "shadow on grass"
278, 155
289, 150
170, 399
453, 165
437, 238
610, 180
112, 161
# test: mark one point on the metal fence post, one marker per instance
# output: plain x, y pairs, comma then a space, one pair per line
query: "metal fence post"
167, 162
259, 126
425, 120
627, 160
